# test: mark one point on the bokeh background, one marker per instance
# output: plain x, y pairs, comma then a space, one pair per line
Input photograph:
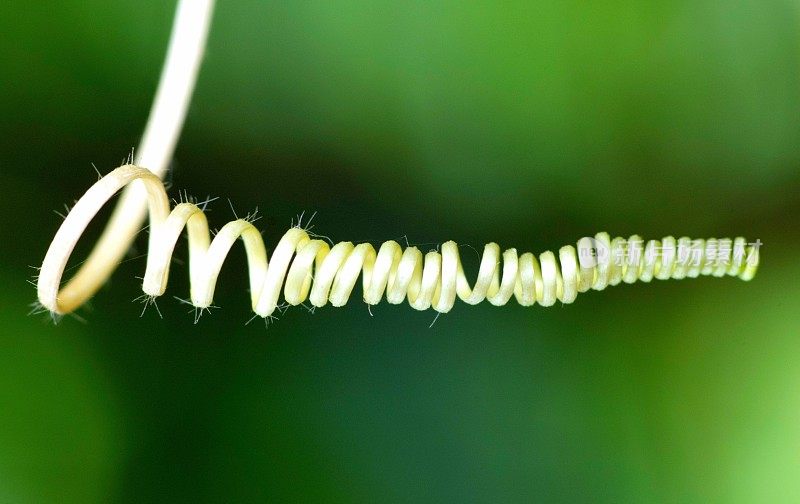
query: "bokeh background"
530, 123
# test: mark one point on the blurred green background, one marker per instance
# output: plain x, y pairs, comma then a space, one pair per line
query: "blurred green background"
530, 123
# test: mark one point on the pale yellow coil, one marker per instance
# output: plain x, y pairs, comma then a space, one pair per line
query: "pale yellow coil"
304, 268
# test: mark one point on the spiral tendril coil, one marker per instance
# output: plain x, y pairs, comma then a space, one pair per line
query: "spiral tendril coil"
303, 267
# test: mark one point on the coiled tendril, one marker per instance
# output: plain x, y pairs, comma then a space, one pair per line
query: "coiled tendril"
305, 268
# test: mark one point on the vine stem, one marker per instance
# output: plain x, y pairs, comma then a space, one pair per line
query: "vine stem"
178, 77
306, 268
